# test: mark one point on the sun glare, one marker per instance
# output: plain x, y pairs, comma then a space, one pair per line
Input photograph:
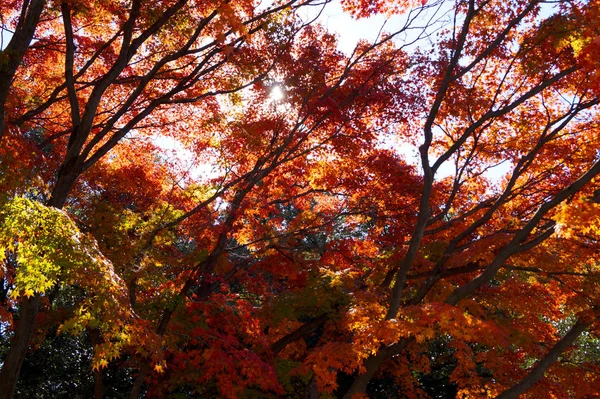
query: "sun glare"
276, 93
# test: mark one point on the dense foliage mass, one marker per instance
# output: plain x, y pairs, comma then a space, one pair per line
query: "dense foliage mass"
206, 198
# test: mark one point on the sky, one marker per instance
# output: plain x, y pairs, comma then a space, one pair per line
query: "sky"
348, 30
4, 38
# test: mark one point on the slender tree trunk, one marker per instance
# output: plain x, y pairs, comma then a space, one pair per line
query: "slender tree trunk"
538, 371
372, 364
63, 186
12, 55
312, 392
98, 384
28, 311
96, 339
139, 381
145, 368
298, 333
25, 327
204, 290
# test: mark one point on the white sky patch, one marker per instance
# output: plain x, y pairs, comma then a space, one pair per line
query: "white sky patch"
175, 152
496, 173
349, 30
5, 37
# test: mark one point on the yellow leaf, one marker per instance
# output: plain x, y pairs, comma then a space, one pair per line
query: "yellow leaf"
99, 365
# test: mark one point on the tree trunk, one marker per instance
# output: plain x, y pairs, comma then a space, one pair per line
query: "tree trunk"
96, 339
139, 381
538, 371
29, 309
25, 327
372, 364
12, 55
98, 384
312, 392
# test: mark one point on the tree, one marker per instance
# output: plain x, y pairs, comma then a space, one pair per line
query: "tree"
302, 258
171, 54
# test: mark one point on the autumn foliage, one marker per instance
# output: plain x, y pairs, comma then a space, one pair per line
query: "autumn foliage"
210, 199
